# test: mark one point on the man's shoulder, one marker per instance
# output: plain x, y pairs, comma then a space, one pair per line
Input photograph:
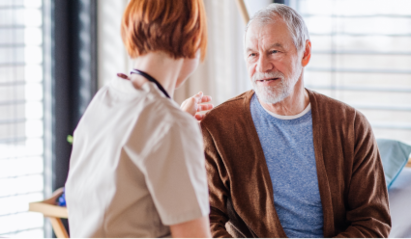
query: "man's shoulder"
327, 102
230, 109
335, 111
327, 105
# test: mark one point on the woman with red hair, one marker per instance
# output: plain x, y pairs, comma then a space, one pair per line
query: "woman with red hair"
137, 167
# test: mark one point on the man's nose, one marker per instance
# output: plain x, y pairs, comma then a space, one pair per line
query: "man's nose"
263, 64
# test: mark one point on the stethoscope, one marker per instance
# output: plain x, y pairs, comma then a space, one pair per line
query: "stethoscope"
150, 78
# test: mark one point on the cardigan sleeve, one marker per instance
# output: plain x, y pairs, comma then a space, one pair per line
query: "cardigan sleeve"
367, 198
218, 192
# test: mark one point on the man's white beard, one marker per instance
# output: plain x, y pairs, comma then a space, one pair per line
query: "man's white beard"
274, 94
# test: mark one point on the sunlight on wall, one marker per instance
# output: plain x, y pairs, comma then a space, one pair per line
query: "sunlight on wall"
21, 143
362, 56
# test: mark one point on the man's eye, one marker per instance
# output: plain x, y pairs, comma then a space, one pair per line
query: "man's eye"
252, 54
274, 51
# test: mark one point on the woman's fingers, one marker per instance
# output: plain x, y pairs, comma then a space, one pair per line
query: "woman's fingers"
199, 117
196, 104
201, 98
198, 97
204, 107
205, 99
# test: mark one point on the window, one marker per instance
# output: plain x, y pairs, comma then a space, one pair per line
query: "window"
21, 117
362, 56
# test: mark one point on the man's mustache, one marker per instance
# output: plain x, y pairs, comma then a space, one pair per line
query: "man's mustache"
267, 75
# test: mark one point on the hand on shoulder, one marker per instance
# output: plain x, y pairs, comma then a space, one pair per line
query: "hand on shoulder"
196, 104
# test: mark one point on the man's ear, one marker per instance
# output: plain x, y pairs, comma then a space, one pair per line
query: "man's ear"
307, 53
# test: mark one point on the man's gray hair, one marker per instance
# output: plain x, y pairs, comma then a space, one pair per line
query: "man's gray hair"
294, 21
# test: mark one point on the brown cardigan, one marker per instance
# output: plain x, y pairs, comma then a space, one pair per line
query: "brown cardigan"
350, 174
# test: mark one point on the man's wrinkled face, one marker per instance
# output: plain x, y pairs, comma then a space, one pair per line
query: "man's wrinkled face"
273, 63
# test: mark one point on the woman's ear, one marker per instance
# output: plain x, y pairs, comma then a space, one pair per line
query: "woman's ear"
307, 53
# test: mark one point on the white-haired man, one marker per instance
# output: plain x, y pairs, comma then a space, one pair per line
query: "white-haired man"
287, 161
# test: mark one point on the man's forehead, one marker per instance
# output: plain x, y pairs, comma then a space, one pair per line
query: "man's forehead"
267, 23
268, 33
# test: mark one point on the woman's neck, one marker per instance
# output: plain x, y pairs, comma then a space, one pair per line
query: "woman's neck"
160, 66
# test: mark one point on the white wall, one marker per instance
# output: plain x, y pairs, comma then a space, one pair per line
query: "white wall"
255, 5
112, 56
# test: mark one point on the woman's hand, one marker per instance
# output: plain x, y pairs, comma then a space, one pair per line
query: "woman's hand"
195, 104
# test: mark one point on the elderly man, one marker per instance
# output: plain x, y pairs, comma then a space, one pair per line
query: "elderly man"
286, 161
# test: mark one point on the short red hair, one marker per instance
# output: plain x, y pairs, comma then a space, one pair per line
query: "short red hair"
177, 27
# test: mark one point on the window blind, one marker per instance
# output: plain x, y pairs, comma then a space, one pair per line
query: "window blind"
362, 56
21, 117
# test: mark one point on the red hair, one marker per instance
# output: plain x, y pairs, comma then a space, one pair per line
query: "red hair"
177, 27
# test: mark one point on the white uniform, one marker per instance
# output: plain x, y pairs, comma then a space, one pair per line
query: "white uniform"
136, 167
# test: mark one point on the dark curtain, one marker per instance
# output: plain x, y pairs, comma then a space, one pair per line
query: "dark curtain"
74, 75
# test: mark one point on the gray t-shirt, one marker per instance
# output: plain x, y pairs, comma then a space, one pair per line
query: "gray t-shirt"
287, 142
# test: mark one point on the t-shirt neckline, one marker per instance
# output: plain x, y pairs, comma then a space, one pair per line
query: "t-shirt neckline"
287, 117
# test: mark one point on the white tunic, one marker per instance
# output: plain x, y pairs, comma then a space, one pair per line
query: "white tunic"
136, 167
